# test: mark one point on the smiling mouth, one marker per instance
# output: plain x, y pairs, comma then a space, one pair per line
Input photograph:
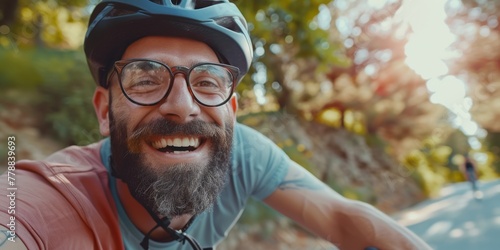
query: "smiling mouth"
177, 145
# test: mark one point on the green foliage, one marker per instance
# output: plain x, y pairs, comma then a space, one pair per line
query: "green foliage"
426, 177
282, 30
492, 141
44, 23
431, 165
58, 85
17, 71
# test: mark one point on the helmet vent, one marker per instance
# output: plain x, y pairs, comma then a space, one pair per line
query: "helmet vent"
229, 23
120, 12
200, 4
164, 2
195, 4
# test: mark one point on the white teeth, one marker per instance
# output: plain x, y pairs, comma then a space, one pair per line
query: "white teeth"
185, 142
157, 144
177, 142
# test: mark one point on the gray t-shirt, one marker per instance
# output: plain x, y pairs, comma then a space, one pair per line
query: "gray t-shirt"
258, 168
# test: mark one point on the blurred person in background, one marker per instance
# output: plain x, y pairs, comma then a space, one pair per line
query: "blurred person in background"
469, 170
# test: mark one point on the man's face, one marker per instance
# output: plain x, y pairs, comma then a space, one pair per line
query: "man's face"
174, 156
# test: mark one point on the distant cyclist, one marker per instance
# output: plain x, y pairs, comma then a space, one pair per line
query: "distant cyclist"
470, 171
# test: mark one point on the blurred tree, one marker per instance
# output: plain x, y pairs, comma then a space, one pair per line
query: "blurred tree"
45, 23
292, 47
391, 100
477, 27
458, 142
7, 11
480, 59
42, 71
492, 142
368, 88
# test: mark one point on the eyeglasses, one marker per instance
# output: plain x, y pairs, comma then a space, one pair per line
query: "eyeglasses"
147, 82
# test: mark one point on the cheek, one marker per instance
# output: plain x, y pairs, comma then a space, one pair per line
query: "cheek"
229, 113
119, 108
221, 115
121, 112
126, 117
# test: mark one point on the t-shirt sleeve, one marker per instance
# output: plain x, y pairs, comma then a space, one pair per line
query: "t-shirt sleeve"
54, 199
261, 164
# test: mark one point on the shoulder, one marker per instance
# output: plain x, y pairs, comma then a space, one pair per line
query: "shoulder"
71, 182
242, 130
248, 142
62, 167
68, 170
249, 139
77, 158
252, 149
259, 165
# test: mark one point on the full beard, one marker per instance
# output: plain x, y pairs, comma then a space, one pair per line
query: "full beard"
171, 189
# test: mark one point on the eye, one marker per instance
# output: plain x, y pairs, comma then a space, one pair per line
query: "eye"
209, 76
205, 82
144, 83
143, 86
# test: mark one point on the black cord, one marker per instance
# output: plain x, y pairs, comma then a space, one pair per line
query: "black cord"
194, 244
180, 236
145, 241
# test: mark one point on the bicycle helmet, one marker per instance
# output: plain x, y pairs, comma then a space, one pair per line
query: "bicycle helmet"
115, 24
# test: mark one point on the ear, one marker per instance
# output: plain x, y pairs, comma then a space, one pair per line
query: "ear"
101, 107
233, 102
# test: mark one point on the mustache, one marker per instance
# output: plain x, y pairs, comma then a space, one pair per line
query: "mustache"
163, 127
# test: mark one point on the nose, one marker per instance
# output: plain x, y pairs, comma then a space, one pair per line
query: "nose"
179, 105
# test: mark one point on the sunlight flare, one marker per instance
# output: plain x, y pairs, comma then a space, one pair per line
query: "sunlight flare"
427, 52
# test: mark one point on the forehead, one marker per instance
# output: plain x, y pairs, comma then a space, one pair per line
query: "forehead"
180, 51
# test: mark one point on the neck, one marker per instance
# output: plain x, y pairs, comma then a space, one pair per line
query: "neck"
142, 219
